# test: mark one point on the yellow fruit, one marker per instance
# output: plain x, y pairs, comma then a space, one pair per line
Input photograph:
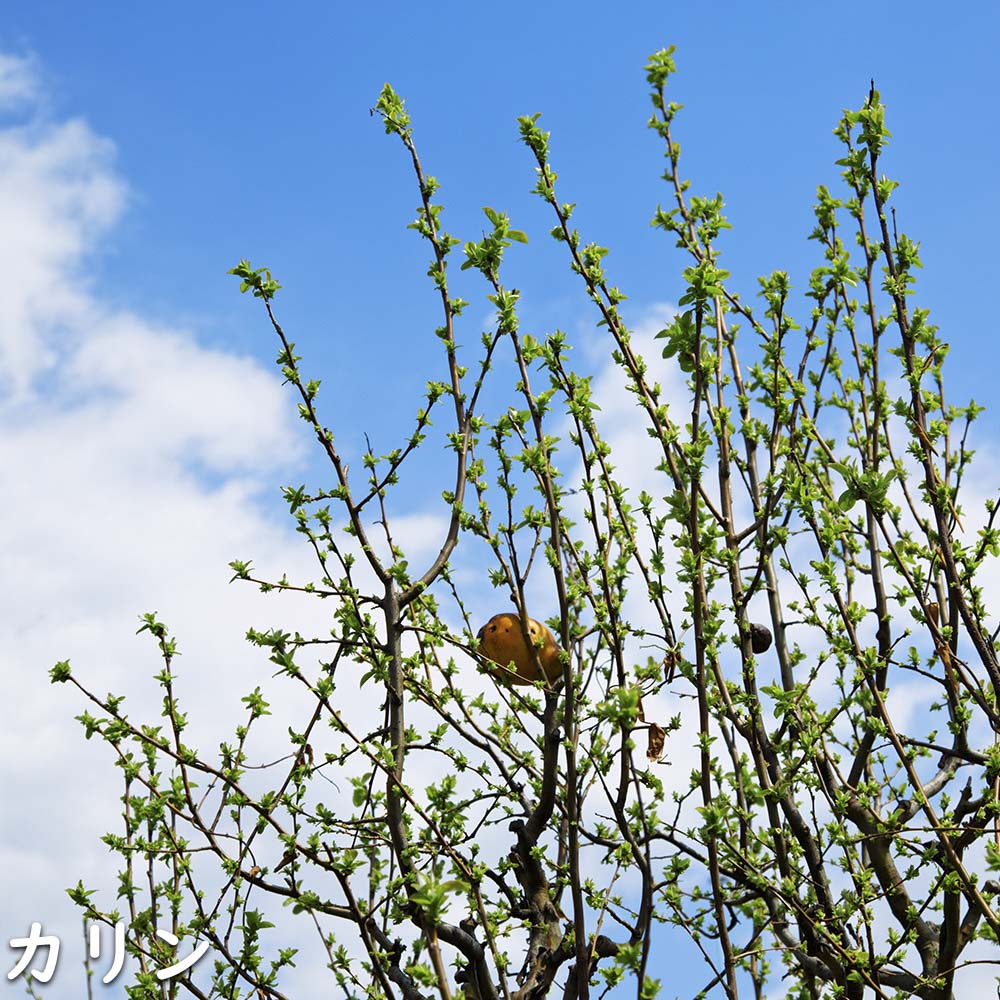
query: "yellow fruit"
502, 642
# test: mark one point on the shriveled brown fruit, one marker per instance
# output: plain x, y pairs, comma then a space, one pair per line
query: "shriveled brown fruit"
760, 638
501, 641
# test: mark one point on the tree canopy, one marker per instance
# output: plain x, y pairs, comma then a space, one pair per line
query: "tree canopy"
804, 559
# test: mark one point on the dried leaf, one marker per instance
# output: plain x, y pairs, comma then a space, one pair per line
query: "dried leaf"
657, 736
669, 665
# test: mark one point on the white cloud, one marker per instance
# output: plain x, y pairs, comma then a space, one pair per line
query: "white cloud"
135, 459
19, 84
620, 418
58, 194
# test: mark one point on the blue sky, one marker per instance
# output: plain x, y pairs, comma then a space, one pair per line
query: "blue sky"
143, 154
245, 132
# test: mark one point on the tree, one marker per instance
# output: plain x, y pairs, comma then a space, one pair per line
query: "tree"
807, 554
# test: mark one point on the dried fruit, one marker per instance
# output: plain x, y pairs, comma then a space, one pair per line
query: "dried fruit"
760, 638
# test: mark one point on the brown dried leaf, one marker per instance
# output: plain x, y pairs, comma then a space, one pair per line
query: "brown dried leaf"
654, 748
669, 665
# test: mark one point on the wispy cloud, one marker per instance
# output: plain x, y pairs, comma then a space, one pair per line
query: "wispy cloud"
19, 81
58, 196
